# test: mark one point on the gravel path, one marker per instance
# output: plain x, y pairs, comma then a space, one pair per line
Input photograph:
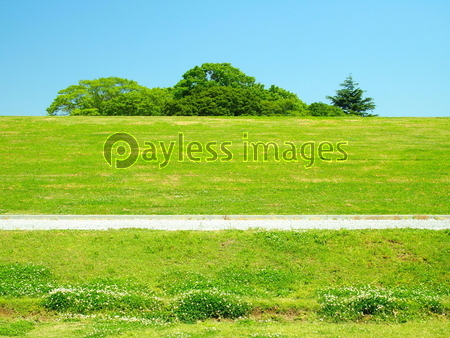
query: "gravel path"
221, 222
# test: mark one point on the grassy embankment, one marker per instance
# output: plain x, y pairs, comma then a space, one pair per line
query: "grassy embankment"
394, 282
55, 165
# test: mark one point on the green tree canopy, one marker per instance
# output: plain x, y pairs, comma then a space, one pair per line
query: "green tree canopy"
210, 75
278, 101
209, 89
350, 99
108, 96
217, 101
323, 109
194, 94
145, 102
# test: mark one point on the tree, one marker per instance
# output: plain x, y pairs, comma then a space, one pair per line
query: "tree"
278, 101
107, 96
323, 109
221, 89
216, 101
145, 102
209, 89
211, 75
350, 99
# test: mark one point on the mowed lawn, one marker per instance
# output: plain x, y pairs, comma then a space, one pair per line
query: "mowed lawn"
55, 165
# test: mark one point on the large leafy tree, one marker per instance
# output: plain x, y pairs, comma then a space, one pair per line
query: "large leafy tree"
278, 101
145, 102
211, 75
108, 96
221, 89
350, 99
217, 101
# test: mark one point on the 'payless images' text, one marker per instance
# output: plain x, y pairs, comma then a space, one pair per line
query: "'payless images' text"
122, 150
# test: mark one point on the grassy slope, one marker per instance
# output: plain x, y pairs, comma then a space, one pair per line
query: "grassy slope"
55, 165
305, 261
297, 264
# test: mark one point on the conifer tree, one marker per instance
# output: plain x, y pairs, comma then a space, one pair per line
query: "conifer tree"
350, 99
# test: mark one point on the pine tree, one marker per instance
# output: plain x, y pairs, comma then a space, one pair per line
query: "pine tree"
350, 99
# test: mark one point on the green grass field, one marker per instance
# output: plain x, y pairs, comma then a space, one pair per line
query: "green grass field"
143, 283
55, 165
281, 274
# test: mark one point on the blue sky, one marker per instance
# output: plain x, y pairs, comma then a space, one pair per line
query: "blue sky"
397, 50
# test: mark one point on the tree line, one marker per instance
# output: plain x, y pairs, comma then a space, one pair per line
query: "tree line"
212, 89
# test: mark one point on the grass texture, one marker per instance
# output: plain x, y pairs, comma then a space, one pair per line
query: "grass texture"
55, 165
126, 283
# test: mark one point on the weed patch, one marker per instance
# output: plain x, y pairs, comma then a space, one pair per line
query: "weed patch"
97, 296
20, 280
205, 304
357, 303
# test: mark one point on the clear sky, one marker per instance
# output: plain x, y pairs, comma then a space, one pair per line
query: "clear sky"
397, 50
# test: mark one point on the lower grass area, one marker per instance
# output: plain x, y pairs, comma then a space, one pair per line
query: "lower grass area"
249, 329
229, 283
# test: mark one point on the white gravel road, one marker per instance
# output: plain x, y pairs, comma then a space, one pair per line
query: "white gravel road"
437, 222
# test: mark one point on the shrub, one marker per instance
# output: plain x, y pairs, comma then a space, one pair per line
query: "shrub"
204, 304
96, 297
353, 303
